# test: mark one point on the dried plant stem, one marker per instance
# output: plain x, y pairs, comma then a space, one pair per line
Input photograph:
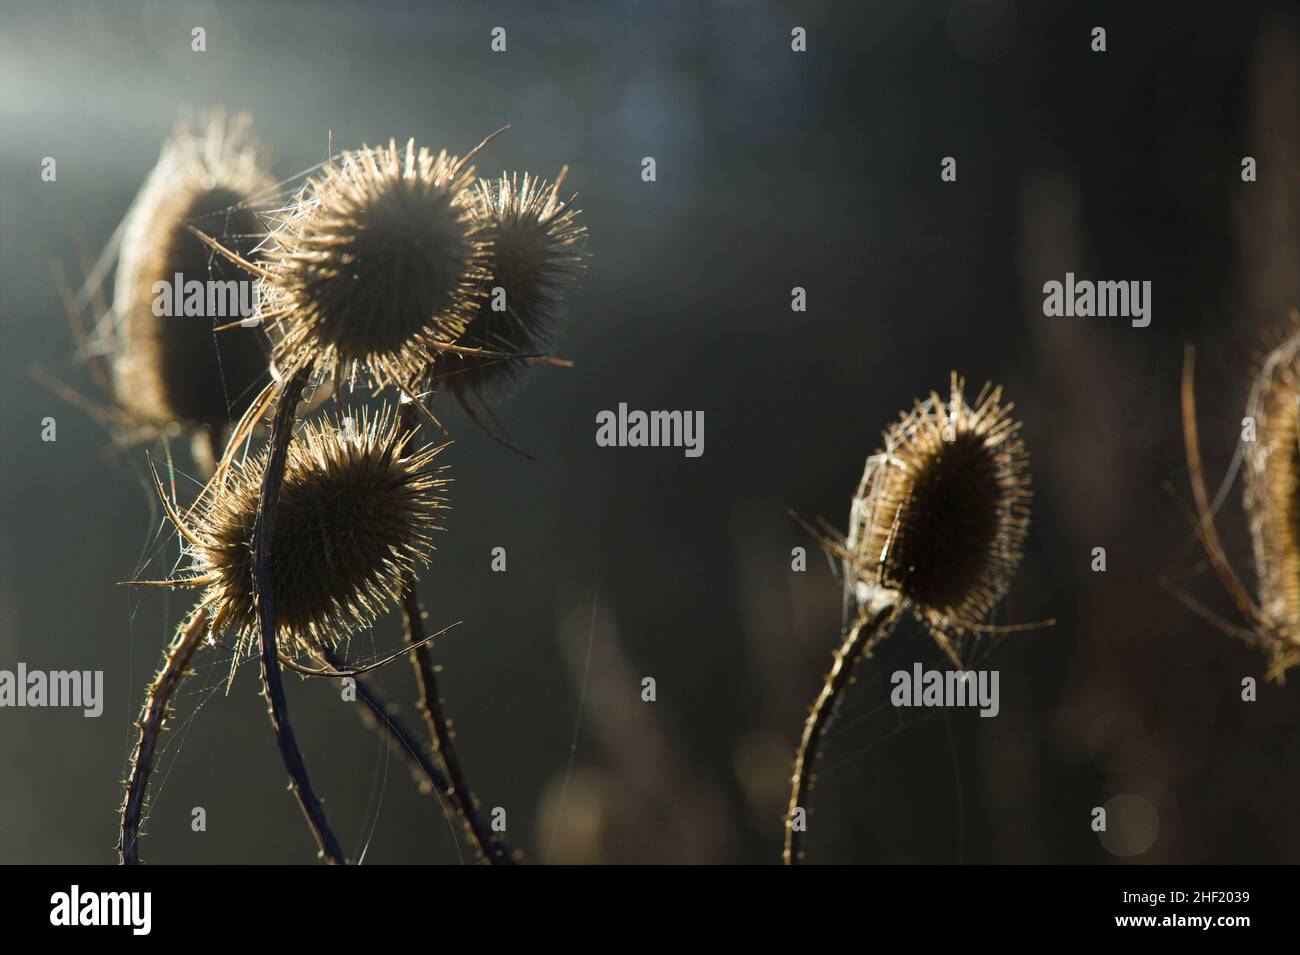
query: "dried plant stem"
277, 706
395, 731
858, 639
153, 716
488, 844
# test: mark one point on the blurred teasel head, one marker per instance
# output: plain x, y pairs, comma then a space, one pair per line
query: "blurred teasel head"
1272, 497
1270, 452
356, 514
199, 368
942, 513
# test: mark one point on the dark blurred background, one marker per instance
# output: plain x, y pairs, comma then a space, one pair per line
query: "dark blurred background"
775, 170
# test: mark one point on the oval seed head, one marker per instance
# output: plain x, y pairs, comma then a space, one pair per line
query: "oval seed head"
1272, 493
532, 257
355, 515
943, 510
374, 266
174, 368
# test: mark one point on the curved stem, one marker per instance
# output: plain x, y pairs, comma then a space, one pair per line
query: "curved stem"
276, 705
856, 643
488, 843
153, 717
399, 735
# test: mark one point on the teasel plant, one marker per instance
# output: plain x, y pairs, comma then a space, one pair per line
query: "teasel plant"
164, 376
159, 375
936, 531
375, 274
1270, 458
357, 513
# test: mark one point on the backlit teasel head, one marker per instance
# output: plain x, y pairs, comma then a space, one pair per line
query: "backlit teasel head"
1272, 498
533, 256
179, 368
374, 268
1270, 449
941, 515
356, 514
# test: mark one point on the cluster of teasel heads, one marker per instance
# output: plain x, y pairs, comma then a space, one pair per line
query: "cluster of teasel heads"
383, 269
393, 268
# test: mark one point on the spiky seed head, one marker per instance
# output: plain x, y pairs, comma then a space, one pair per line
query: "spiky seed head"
533, 255
356, 514
1272, 493
943, 510
177, 369
374, 266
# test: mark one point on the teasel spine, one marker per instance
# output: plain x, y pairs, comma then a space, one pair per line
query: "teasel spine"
857, 643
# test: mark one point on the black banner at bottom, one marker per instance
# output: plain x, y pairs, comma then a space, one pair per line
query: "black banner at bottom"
304, 903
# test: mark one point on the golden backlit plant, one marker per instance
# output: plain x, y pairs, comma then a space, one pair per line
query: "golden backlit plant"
1271, 459
936, 529
377, 273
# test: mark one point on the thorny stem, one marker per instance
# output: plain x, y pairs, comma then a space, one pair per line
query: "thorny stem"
277, 706
400, 737
489, 845
859, 637
153, 716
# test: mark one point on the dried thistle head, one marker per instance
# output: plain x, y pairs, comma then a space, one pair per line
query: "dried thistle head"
1272, 504
375, 266
356, 514
178, 368
941, 514
532, 256
1272, 496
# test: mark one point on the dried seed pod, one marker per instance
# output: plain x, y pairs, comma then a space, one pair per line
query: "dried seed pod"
375, 266
532, 257
1272, 504
170, 368
356, 514
936, 528
942, 513
1272, 494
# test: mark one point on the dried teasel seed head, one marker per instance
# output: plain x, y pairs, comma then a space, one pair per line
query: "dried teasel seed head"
374, 266
532, 257
1272, 491
356, 514
178, 368
943, 511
